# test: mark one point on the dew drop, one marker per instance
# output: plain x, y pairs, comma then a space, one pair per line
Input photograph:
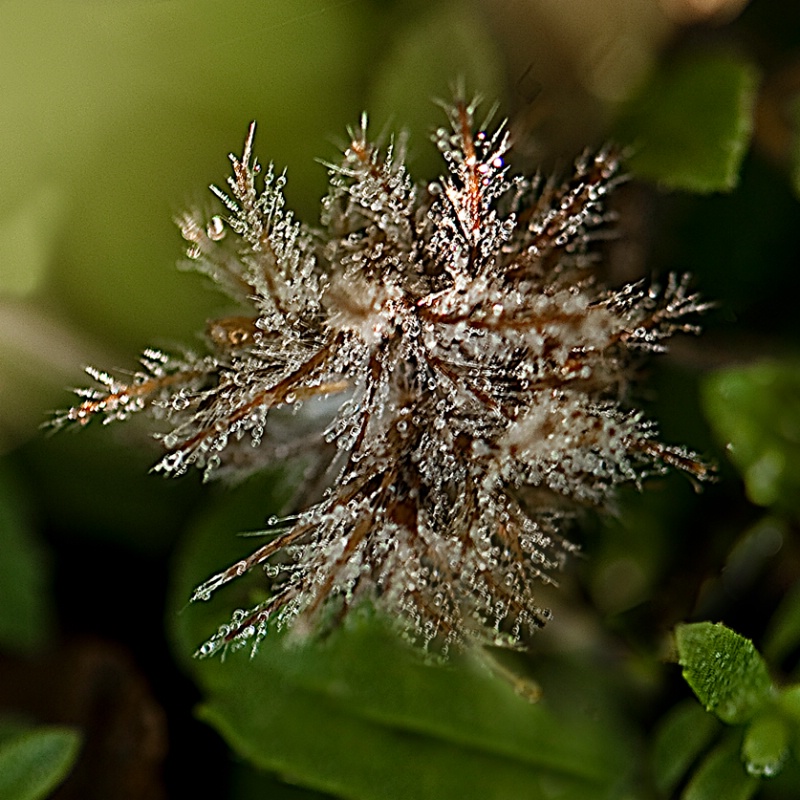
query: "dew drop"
206, 649
215, 229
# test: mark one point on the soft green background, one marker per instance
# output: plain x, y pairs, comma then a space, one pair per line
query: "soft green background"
117, 115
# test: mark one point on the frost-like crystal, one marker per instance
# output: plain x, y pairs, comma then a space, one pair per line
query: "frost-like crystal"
452, 365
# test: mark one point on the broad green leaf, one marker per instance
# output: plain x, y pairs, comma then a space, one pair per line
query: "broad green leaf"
766, 745
361, 714
721, 775
24, 592
365, 670
724, 670
684, 733
690, 124
755, 413
33, 763
315, 741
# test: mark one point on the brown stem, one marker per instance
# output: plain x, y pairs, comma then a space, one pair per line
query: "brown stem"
83, 413
270, 397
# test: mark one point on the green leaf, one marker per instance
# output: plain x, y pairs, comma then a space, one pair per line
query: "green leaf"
690, 124
766, 745
724, 670
684, 733
28, 237
33, 763
362, 715
783, 633
628, 552
721, 775
755, 413
386, 725
249, 783
789, 702
319, 744
25, 612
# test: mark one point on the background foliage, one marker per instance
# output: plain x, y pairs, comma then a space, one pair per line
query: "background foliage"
116, 116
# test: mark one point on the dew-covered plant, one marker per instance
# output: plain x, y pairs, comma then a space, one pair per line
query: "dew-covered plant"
444, 360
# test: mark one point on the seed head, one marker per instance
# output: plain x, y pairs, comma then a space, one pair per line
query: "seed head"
445, 361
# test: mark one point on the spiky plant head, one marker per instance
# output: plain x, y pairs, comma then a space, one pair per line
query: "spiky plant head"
457, 378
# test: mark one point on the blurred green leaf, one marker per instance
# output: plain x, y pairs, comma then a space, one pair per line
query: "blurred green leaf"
690, 124
385, 723
33, 763
789, 701
766, 745
755, 413
721, 775
365, 681
27, 240
724, 670
250, 783
25, 612
629, 550
348, 756
684, 733
13, 724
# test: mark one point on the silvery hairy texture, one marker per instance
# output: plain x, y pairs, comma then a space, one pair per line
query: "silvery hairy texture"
445, 361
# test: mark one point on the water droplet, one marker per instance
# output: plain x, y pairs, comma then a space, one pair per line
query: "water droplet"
215, 229
207, 649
